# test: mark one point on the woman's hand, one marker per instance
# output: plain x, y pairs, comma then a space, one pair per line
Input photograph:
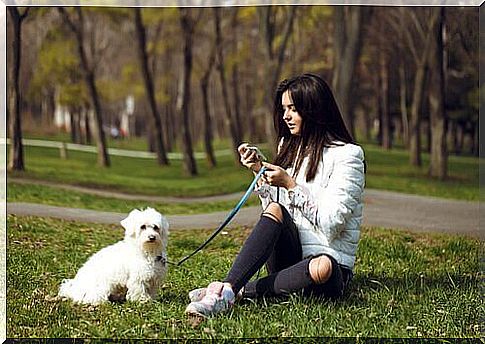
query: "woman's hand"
249, 158
277, 176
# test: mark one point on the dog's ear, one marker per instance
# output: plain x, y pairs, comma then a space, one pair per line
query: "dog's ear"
130, 222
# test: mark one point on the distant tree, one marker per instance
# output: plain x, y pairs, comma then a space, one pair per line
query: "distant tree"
187, 24
230, 120
274, 54
76, 25
415, 26
235, 82
204, 86
149, 87
348, 42
384, 100
16, 161
438, 120
462, 79
57, 72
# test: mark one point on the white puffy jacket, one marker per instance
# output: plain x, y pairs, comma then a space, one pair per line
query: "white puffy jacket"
327, 210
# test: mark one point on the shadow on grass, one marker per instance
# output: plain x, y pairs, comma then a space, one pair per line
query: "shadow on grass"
362, 286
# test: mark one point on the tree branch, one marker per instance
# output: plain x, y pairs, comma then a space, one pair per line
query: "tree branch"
67, 19
23, 15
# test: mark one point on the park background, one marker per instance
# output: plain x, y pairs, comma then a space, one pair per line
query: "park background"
187, 85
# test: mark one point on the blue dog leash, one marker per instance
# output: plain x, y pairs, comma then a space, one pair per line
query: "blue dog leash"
229, 217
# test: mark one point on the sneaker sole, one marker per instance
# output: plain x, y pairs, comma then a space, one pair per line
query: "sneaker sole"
194, 313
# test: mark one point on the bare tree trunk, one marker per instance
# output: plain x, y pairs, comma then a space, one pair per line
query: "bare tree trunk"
16, 159
348, 43
89, 77
414, 122
438, 120
249, 112
476, 136
384, 101
230, 121
235, 79
87, 126
403, 103
204, 86
74, 131
187, 24
237, 102
452, 137
274, 59
167, 127
149, 88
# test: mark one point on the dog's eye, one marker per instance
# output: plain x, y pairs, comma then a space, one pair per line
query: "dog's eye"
156, 228
143, 227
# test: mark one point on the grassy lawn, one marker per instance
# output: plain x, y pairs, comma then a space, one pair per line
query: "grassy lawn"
132, 143
42, 194
406, 285
134, 175
390, 170
386, 171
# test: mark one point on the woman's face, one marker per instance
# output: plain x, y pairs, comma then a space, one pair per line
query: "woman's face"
292, 119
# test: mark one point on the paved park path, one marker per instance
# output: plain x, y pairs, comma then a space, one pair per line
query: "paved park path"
381, 208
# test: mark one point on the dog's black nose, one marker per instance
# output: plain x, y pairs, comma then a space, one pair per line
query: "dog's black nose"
152, 237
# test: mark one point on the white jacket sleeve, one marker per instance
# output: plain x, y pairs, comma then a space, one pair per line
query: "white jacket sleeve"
330, 210
266, 193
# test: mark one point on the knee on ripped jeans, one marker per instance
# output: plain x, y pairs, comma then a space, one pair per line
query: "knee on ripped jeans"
320, 269
273, 211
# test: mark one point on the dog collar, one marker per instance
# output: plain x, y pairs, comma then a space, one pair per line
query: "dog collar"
162, 259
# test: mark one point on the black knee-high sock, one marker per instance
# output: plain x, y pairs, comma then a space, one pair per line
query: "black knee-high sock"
293, 278
254, 253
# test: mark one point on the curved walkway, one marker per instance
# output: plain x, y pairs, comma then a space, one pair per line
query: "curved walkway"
382, 208
131, 197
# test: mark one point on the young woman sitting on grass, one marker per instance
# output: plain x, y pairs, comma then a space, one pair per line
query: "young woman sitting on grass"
312, 199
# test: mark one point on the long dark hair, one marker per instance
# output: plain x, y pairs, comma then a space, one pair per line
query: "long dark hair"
322, 123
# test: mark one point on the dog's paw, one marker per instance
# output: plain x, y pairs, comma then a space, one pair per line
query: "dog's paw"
56, 298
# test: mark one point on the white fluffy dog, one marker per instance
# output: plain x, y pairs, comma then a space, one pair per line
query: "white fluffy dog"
131, 269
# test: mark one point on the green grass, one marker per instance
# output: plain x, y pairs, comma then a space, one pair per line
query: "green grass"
390, 170
134, 175
42, 194
132, 143
387, 170
406, 285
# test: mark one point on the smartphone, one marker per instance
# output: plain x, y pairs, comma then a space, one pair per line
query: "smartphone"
259, 154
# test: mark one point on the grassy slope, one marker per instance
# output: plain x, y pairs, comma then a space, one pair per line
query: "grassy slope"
386, 170
405, 285
32, 193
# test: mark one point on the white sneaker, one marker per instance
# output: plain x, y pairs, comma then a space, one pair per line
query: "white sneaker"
199, 293
218, 298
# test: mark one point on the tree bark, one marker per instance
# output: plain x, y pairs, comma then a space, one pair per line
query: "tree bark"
150, 89
384, 101
438, 120
204, 86
274, 59
74, 127
90, 79
16, 159
403, 103
348, 43
235, 79
230, 121
187, 25
415, 117
87, 126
